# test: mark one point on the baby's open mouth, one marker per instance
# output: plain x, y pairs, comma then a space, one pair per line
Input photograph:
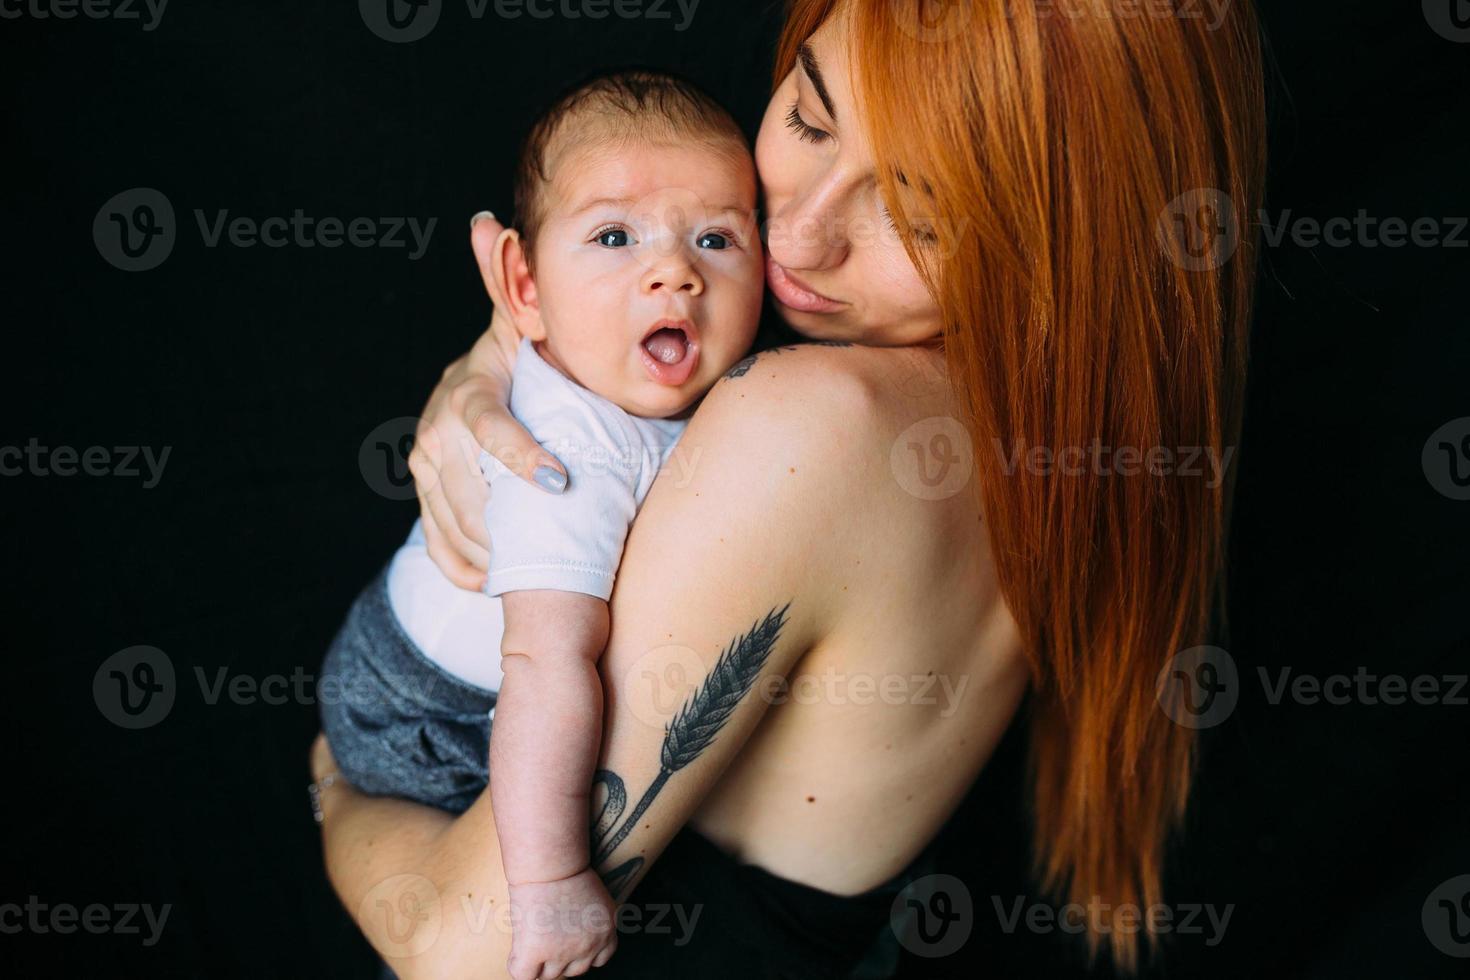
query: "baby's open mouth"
671, 351
667, 344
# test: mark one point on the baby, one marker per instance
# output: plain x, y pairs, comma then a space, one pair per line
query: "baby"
635, 281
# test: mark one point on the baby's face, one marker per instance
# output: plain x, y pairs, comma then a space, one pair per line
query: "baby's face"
649, 272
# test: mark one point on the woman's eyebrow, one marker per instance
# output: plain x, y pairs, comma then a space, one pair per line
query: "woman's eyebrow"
814, 73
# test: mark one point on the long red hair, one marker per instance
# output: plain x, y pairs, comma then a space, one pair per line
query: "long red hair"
1058, 144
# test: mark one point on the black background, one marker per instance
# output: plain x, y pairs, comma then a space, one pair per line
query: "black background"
1326, 827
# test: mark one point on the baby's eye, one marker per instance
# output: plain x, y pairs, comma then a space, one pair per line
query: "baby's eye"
713, 239
612, 237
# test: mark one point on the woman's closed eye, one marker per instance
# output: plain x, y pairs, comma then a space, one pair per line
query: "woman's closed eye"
923, 234
803, 129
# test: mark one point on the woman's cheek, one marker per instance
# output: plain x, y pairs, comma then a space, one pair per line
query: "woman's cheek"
901, 279
773, 162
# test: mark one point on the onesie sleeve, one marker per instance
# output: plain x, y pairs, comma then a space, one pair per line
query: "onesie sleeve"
572, 541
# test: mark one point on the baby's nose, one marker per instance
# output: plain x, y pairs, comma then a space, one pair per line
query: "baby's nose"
674, 277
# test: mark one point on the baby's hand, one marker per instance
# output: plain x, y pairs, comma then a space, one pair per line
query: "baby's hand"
561, 928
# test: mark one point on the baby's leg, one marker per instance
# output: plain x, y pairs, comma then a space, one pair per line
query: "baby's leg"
398, 724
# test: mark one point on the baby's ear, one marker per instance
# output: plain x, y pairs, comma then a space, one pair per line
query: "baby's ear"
513, 278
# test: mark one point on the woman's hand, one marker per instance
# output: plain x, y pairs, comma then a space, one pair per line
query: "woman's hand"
469, 410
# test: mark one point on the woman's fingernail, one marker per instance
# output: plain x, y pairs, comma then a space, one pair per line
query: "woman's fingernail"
481, 214
551, 479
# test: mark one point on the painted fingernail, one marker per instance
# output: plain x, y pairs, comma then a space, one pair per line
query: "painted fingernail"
551, 479
481, 214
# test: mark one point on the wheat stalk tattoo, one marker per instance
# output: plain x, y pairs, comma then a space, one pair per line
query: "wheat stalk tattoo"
690, 732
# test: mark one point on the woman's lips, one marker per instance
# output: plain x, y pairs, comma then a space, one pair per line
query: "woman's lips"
794, 293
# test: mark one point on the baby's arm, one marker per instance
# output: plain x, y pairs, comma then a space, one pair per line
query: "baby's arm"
543, 749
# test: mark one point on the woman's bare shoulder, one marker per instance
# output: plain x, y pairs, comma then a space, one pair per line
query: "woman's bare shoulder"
779, 419
813, 389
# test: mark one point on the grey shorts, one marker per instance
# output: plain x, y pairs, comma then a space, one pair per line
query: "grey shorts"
398, 723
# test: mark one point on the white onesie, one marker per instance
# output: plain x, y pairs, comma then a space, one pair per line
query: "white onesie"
572, 541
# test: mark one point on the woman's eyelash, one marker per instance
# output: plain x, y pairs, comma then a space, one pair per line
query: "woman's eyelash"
804, 130
924, 236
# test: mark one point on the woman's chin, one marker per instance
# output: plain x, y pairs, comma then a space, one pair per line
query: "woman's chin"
816, 326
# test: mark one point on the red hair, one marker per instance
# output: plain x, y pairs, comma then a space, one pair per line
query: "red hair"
1054, 142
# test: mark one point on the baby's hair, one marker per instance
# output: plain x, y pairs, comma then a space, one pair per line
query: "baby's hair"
632, 104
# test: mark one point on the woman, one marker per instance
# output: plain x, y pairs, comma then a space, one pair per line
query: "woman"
900, 504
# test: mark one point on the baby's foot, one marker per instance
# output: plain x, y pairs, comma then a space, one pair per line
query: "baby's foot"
560, 928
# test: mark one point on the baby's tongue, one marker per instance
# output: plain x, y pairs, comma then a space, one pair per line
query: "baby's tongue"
667, 345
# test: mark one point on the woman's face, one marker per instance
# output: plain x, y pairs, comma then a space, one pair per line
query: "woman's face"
835, 264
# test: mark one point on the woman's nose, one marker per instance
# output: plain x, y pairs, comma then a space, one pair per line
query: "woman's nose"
811, 231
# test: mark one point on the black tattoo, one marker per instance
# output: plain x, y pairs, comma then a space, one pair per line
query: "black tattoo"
741, 366
745, 364
692, 731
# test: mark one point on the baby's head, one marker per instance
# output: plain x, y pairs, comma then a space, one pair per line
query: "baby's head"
637, 270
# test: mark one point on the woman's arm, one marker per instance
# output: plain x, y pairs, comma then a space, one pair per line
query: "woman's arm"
467, 410
730, 574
